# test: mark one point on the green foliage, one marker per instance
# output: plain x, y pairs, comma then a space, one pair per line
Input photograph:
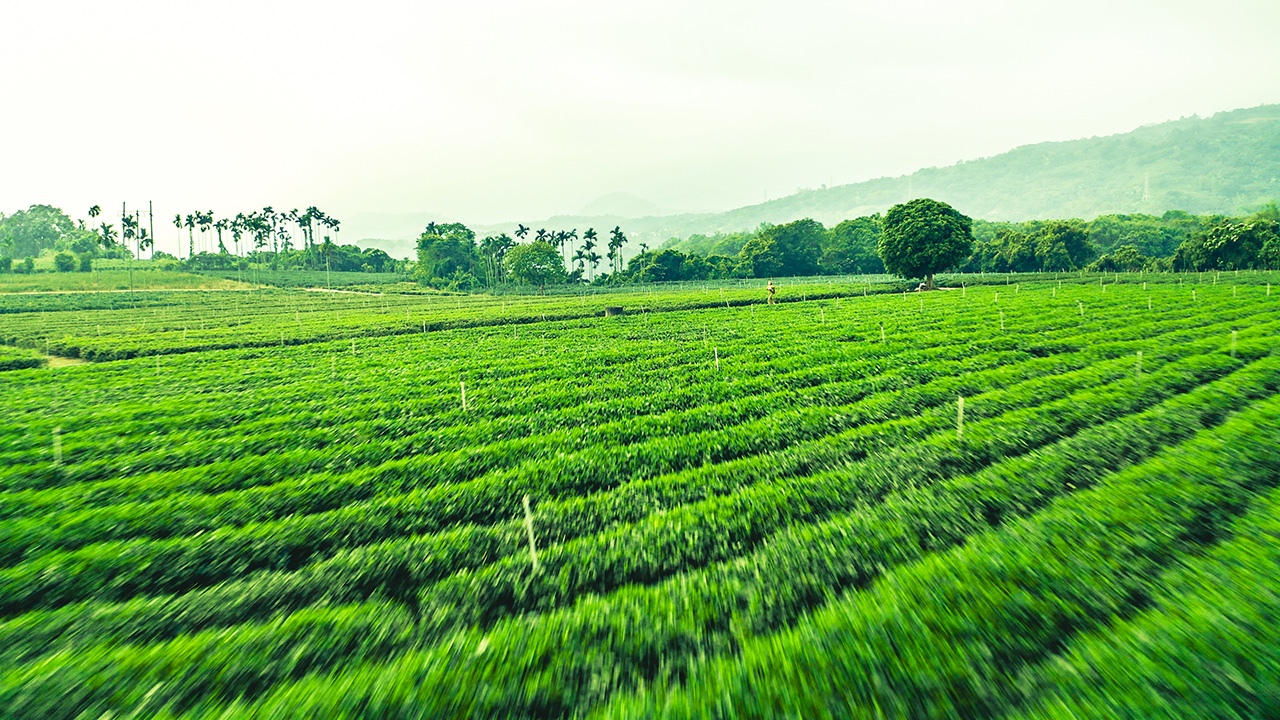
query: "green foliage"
1232, 246
84, 263
670, 266
12, 358
924, 237
1092, 556
852, 247
447, 253
1126, 258
737, 511
538, 263
64, 262
777, 250
28, 232
1054, 246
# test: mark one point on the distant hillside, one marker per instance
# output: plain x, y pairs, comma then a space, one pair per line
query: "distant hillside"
1228, 163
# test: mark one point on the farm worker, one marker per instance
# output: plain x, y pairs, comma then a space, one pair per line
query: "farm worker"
772, 290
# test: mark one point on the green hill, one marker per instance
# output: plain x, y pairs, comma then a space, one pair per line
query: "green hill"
1228, 163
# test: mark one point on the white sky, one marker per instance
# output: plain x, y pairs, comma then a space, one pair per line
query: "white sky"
490, 111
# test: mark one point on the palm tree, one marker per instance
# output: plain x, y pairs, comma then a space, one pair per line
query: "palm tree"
308, 220
177, 222
326, 249
190, 222
128, 230
588, 250
145, 241
107, 235
94, 212
569, 238
594, 259
206, 221
221, 225
268, 216
558, 238
616, 241
541, 236
238, 226
522, 232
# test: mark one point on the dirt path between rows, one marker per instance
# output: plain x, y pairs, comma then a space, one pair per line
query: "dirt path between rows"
345, 292
57, 361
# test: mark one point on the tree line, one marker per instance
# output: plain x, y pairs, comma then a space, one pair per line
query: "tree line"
264, 238
450, 257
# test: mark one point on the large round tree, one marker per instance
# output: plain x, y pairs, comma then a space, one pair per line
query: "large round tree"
537, 263
923, 237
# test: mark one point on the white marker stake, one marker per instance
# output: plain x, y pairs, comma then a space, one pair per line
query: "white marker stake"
1233, 291
960, 418
882, 333
921, 303
1055, 292
353, 346
964, 291
997, 296
1193, 295
57, 446
717, 352
1144, 286
824, 315
1148, 303
1080, 305
528, 524
1002, 322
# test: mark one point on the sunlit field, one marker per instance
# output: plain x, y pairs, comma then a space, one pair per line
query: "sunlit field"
1017, 496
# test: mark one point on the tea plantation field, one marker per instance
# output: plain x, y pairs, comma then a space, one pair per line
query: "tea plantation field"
1031, 498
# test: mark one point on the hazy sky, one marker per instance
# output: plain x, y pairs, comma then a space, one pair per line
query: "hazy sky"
491, 111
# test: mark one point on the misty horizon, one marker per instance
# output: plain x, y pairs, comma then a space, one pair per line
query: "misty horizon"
517, 113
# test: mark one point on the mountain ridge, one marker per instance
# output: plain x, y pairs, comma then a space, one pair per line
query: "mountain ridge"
1227, 163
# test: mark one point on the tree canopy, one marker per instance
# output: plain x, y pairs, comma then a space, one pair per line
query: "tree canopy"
537, 263
923, 237
852, 247
447, 252
1232, 246
790, 249
27, 232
